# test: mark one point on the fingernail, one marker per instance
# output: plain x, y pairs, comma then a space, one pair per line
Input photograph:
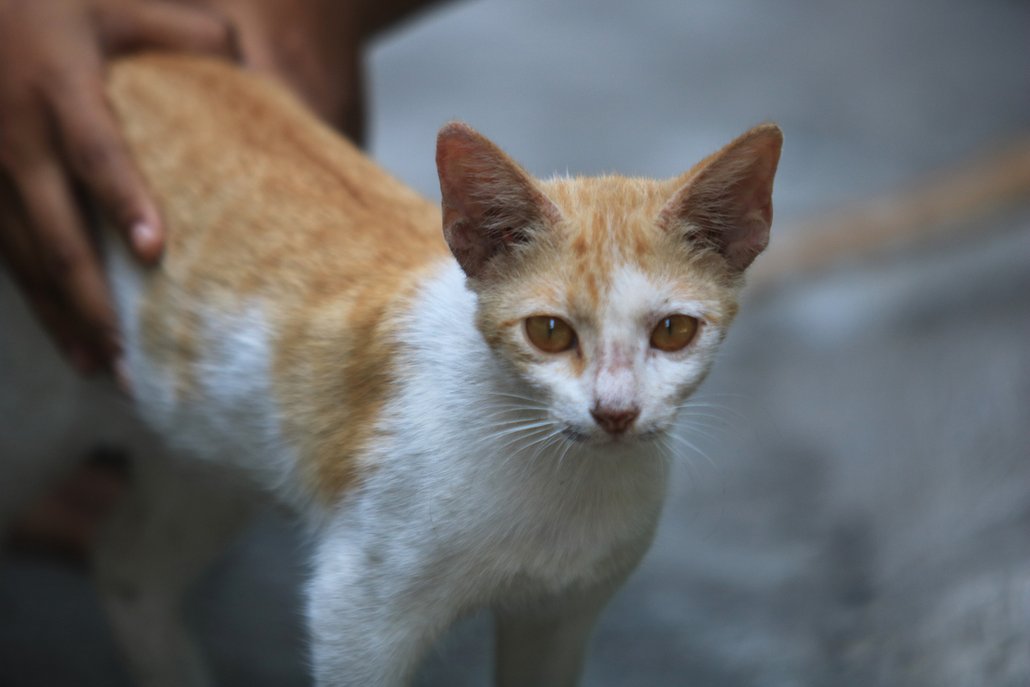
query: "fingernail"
145, 238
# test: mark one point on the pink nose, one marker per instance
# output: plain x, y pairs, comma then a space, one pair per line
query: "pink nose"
615, 421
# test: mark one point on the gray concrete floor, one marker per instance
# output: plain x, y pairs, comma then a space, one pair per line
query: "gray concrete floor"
858, 511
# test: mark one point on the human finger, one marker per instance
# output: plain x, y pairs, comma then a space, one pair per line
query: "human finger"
95, 151
68, 262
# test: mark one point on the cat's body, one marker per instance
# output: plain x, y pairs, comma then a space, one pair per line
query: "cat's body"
309, 326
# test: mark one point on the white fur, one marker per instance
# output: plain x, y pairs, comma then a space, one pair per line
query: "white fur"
655, 381
230, 417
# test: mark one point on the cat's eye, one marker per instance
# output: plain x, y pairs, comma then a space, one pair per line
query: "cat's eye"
674, 333
550, 334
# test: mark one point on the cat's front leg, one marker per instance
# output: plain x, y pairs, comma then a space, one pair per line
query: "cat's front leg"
373, 613
543, 643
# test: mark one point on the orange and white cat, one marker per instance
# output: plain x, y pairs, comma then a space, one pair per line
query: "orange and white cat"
470, 409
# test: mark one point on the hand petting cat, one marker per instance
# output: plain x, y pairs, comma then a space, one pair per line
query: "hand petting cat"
61, 145
58, 138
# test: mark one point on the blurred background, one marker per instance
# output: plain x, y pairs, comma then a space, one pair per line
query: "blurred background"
856, 507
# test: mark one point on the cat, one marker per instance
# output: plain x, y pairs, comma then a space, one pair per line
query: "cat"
470, 407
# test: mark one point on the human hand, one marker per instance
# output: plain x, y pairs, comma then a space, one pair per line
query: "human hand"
59, 138
313, 47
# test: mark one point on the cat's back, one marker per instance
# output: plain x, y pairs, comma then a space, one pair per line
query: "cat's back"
288, 255
257, 195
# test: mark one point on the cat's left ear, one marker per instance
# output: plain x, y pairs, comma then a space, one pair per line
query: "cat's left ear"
490, 204
725, 202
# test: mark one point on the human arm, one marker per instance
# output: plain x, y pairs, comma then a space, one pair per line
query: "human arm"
59, 139
316, 47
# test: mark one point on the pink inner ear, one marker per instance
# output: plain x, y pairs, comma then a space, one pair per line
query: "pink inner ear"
463, 160
489, 202
727, 204
745, 241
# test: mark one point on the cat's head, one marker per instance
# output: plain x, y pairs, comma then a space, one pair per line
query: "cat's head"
607, 295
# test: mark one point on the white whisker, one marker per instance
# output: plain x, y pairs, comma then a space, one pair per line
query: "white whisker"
505, 423
688, 463
543, 441
505, 394
691, 412
530, 434
513, 441
523, 425
569, 444
693, 447
701, 430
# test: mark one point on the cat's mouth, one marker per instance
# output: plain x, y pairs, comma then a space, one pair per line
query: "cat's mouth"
570, 432
605, 439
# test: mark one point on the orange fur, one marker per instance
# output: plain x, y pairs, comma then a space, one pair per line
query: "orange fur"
261, 200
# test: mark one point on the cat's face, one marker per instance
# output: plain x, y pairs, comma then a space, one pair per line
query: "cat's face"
608, 296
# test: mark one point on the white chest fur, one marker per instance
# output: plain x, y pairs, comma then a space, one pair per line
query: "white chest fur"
473, 476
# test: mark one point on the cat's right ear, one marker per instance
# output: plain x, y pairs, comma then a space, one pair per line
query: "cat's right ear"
725, 202
490, 204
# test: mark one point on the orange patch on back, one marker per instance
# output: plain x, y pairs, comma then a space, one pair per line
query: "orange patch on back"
641, 248
265, 205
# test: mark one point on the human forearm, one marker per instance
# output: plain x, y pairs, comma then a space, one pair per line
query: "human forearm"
315, 46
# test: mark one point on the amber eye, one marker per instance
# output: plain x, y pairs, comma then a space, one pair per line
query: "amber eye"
550, 334
674, 332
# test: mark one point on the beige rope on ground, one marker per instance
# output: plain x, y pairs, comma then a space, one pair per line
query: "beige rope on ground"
941, 204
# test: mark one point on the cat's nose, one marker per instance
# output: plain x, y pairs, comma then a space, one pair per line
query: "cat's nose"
615, 421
